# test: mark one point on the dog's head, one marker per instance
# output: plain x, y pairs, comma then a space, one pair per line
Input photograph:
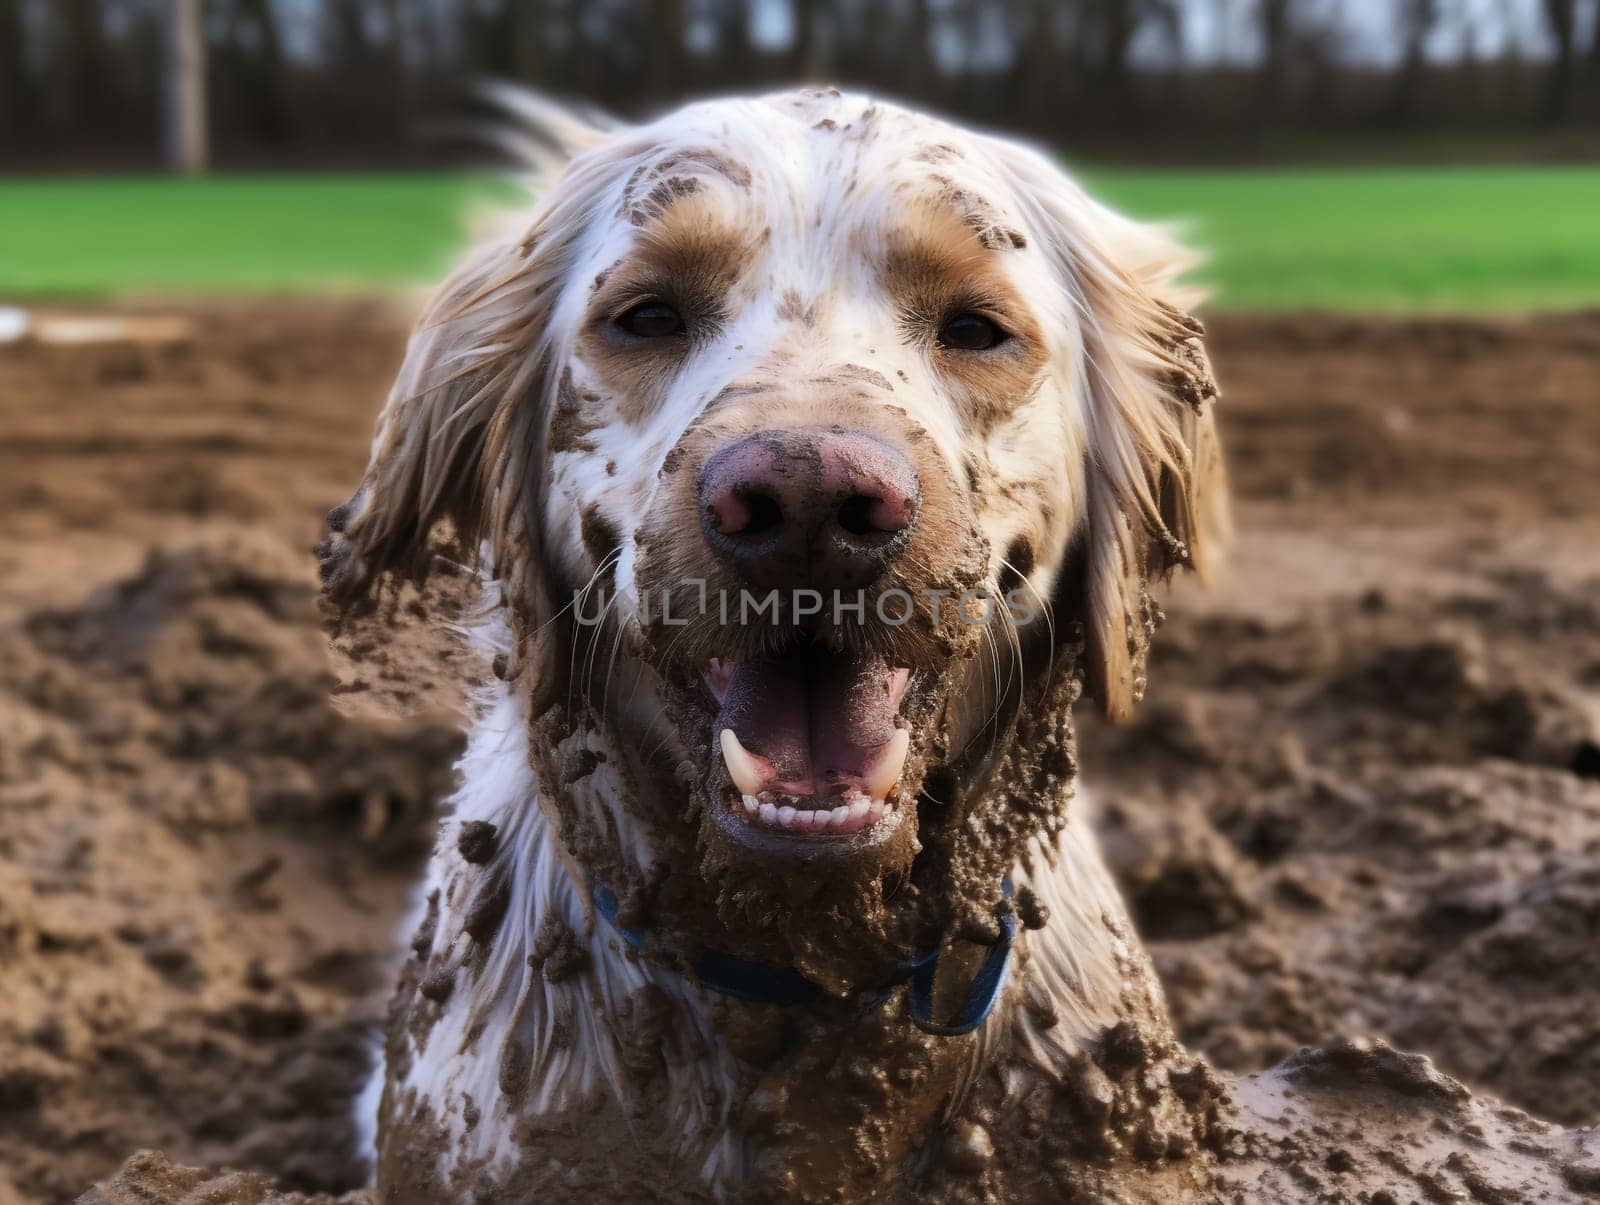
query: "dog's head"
818, 447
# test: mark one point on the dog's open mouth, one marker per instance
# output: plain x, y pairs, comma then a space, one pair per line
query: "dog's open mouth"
812, 740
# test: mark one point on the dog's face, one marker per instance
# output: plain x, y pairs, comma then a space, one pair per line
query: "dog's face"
804, 434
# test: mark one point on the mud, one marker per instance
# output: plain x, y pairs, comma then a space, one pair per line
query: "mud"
1360, 798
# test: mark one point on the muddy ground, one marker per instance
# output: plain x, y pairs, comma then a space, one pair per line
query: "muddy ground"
1363, 796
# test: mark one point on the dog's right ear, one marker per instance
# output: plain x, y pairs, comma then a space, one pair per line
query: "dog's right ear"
456, 465
467, 390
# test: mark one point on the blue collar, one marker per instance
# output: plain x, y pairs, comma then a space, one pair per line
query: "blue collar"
729, 975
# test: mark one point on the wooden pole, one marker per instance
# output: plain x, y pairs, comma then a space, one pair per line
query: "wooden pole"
185, 83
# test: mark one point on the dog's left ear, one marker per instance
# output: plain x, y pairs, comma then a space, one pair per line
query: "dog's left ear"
1155, 493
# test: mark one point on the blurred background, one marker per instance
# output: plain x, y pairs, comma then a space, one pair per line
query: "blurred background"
1363, 795
335, 128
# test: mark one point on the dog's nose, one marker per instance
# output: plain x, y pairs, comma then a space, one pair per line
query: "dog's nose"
817, 507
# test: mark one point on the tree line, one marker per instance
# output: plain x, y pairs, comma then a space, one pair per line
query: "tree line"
295, 81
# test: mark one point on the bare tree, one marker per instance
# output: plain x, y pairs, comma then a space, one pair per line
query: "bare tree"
1417, 19
13, 70
665, 49
806, 58
1561, 20
75, 64
186, 140
529, 28
249, 57
1594, 46
1275, 27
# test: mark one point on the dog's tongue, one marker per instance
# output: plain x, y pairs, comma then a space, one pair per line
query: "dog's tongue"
817, 719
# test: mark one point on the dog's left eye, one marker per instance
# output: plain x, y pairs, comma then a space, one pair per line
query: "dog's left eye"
652, 320
970, 332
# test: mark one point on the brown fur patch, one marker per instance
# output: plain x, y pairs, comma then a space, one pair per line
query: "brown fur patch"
600, 538
689, 257
860, 372
741, 389
976, 473
979, 215
570, 427
936, 268
662, 196
655, 185
707, 159
794, 308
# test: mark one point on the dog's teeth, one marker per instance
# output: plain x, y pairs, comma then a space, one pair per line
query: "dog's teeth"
786, 815
769, 814
805, 820
880, 781
858, 810
742, 767
899, 679
838, 816
751, 804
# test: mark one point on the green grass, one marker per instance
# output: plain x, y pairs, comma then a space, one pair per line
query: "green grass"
245, 233
1491, 238
1512, 238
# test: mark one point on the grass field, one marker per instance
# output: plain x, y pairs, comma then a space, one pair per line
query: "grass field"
1496, 238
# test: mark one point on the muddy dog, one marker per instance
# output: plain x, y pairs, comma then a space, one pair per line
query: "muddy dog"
816, 456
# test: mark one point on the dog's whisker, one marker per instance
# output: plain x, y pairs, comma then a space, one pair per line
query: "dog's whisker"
590, 632
1048, 611
594, 647
581, 594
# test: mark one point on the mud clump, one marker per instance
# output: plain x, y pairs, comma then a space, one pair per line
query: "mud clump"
1362, 1062
478, 841
1358, 1122
149, 1177
557, 953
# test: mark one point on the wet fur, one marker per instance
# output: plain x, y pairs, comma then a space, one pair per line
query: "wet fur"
516, 433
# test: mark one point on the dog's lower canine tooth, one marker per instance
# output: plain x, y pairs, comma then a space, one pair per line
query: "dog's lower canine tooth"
741, 766
886, 773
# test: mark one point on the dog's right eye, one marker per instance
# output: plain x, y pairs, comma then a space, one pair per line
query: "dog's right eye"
652, 320
970, 332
